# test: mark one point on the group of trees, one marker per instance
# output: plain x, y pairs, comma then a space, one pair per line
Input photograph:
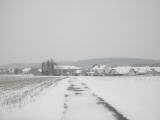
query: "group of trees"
48, 67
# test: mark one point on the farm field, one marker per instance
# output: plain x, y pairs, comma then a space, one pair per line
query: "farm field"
79, 98
136, 97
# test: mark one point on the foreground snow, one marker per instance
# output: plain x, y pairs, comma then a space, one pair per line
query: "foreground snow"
47, 105
62, 99
82, 104
136, 97
80, 98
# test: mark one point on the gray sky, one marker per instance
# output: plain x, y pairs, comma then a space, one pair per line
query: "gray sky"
35, 30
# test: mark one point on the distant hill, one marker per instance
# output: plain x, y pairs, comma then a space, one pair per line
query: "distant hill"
88, 63
117, 62
66, 63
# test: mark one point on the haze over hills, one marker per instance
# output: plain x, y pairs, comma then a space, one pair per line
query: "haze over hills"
90, 62
21, 65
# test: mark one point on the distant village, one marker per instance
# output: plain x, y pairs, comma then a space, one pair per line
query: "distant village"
95, 70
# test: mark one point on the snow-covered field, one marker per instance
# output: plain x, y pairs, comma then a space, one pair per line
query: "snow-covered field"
29, 97
138, 98
79, 98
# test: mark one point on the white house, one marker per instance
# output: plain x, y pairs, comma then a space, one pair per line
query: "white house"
157, 69
67, 70
100, 69
26, 70
123, 70
113, 72
131, 72
142, 70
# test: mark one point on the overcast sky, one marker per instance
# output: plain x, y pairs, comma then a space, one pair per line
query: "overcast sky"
35, 30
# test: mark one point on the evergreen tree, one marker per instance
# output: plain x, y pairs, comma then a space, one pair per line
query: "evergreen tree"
48, 67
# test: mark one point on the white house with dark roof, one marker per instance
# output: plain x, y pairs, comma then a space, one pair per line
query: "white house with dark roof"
113, 72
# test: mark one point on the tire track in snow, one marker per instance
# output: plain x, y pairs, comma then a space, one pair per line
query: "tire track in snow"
82, 104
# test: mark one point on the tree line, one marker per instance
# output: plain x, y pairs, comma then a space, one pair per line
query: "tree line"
48, 67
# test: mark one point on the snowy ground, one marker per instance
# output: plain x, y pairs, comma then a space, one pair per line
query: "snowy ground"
31, 98
79, 98
136, 97
82, 104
